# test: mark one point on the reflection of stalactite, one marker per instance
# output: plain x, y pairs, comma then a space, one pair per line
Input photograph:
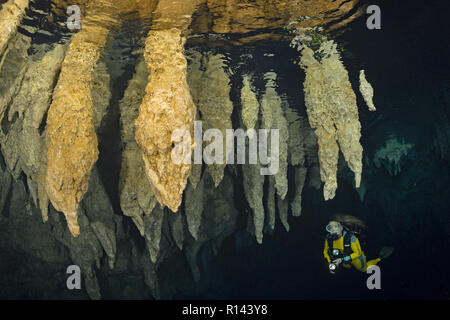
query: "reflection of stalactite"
136, 197
167, 106
332, 112
210, 89
11, 14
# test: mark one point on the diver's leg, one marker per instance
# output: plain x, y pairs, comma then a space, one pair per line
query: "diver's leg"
373, 262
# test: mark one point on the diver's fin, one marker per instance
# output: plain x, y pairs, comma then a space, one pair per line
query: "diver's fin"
386, 252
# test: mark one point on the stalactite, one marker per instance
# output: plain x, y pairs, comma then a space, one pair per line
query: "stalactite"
22, 145
253, 180
136, 197
71, 138
296, 204
273, 118
150, 275
36, 93
296, 149
283, 207
332, 112
12, 70
302, 142
194, 206
167, 106
366, 90
253, 188
100, 213
220, 222
270, 205
11, 15
176, 223
195, 175
210, 88
101, 93
152, 231
250, 104
5, 186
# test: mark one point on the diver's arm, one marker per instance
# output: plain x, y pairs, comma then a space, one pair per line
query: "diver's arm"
325, 252
356, 248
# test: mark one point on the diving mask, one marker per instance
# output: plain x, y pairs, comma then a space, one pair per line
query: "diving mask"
334, 228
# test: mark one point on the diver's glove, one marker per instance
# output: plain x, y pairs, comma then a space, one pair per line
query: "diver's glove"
337, 261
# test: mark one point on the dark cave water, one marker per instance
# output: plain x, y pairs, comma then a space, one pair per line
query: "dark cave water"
407, 64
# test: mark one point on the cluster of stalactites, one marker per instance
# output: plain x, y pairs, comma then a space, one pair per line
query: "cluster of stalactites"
272, 112
210, 88
332, 112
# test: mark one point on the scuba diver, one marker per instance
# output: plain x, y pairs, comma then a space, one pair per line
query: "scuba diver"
343, 248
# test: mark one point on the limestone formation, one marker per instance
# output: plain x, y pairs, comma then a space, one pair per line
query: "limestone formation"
35, 97
296, 204
54, 96
167, 106
296, 149
152, 226
391, 154
283, 208
136, 197
273, 118
271, 205
100, 213
332, 112
97, 236
12, 70
210, 88
194, 206
11, 14
253, 188
71, 138
219, 224
101, 93
366, 90
250, 104
176, 222
196, 173
253, 180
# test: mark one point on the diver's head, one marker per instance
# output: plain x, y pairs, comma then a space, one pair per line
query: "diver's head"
335, 229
